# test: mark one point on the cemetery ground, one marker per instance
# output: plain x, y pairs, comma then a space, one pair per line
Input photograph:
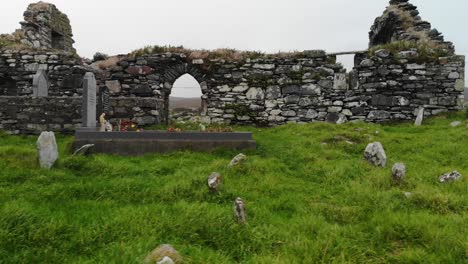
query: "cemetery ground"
309, 195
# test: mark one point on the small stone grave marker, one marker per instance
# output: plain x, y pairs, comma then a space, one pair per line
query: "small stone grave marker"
40, 84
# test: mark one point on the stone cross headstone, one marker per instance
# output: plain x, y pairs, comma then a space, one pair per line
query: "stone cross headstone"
89, 101
40, 84
239, 211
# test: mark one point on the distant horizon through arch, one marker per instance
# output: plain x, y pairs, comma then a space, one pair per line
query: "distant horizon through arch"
186, 93
186, 86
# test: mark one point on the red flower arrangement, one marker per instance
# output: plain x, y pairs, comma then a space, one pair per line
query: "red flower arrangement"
128, 125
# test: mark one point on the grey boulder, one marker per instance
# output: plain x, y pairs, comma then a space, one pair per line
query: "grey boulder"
375, 154
237, 160
399, 171
450, 176
164, 254
214, 181
455, 123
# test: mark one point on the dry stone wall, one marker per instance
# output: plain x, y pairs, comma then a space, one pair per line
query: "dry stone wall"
41, 88
32, 115
267, 91
304, 88
58, 108
64, 70
392, 87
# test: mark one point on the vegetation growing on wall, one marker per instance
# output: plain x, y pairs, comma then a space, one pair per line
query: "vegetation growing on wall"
426, 51
224, 53
407, 20
13, 40
60, 22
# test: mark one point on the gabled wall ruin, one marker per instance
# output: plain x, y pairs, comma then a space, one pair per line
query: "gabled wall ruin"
45, 27
401, 22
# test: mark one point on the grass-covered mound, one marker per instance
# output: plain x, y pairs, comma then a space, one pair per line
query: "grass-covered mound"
310, 198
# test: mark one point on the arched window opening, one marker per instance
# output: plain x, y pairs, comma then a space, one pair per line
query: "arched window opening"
185, 101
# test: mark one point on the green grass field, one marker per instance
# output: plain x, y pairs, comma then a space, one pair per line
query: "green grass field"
310, 198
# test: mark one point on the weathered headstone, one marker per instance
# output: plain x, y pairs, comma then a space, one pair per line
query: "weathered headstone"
239, 211
375, 154
40, 84
47, 149
89, 101
214, 181
237, 160
399, 171
419, 117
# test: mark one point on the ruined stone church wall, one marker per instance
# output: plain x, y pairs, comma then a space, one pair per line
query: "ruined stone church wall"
22, 113
65, 71
393, 87
32, 115
271, 91
401, 22
265, 91
386, 84
45, 27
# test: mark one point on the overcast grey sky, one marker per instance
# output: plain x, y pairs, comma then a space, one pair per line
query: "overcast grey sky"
120, 26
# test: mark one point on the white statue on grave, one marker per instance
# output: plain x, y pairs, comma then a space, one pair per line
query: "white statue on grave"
102, 121
109, 127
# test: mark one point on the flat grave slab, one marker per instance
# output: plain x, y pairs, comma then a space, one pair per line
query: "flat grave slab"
140, 143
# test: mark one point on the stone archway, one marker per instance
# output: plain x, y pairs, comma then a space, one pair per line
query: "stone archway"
172, 73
